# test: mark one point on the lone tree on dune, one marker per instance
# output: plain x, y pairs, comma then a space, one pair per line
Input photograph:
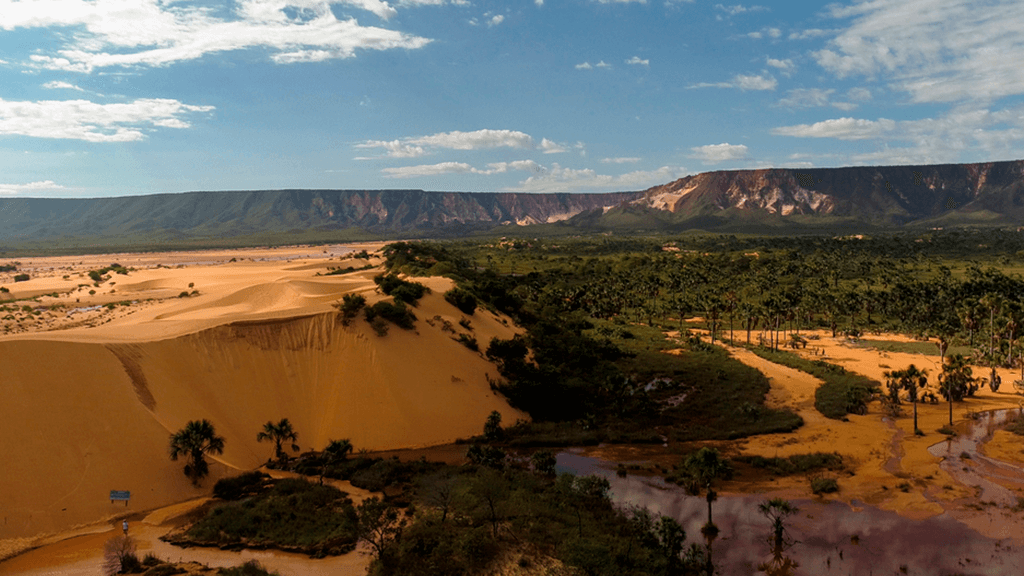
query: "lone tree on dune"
278, 433
193, 442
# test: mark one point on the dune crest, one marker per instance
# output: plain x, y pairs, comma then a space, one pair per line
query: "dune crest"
91, 410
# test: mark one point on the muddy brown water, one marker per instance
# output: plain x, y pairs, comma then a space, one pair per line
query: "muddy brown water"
831, 537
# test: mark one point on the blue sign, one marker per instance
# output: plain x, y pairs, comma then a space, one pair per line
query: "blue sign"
120, 495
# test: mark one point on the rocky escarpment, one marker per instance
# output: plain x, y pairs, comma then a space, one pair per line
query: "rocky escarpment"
881, 195
242, 213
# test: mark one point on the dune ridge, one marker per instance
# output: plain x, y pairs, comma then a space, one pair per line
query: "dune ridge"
91, 409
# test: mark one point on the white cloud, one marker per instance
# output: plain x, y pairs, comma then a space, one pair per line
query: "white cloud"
635, 60
739, 9
785, 66
810, 33
546, 179
31, 187
92, 122
584, 66
859, 94
121, 33
845, 106
550, 147
497, 19
477, 140
628, 160
961, 135
841, 128
743, 82
59, 85
755, 35
559, 179
806, 97
602, 64
715, 153
461, 168
538, 2
393, 149
936, 51
774, 32
429, 170
754, 82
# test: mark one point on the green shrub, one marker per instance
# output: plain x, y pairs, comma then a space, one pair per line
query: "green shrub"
21, 277
238, 487
394, 312
462, 299
4, 290
821, 485
292, 514
469, 342
392, 285
380, 326
350, 306
250, 568
151, 560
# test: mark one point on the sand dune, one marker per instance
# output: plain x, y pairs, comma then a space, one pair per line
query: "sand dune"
90, 409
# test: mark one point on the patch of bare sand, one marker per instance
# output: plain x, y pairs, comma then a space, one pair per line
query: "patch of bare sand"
892, 467
260, 342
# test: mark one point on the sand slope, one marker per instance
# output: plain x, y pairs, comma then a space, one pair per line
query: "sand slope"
89, 410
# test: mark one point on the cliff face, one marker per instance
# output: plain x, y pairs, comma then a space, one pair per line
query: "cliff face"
225, 214
877, 196
883, 195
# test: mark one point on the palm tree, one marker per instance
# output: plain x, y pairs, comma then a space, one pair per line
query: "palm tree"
968, 317
777, 510
336, 451
1014, 319
193, 442
910, 379
992, 302
956, 381
703, 468
278, 433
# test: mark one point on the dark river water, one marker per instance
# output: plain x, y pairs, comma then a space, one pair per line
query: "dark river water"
830, 537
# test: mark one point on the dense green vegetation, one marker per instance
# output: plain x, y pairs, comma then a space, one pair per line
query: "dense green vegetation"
290, 514
587, 379
596, 311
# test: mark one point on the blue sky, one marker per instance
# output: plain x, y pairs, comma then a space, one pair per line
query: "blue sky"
118, 97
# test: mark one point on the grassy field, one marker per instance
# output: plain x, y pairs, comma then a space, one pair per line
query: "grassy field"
926, 348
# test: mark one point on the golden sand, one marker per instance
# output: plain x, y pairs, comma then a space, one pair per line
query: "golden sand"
260, 342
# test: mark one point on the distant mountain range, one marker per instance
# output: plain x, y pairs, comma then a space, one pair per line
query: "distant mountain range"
990, 193
868, 198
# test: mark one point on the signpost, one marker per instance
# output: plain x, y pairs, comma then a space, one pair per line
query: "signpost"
120, 495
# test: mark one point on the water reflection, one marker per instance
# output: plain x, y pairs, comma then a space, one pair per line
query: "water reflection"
831, 537
963, 460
